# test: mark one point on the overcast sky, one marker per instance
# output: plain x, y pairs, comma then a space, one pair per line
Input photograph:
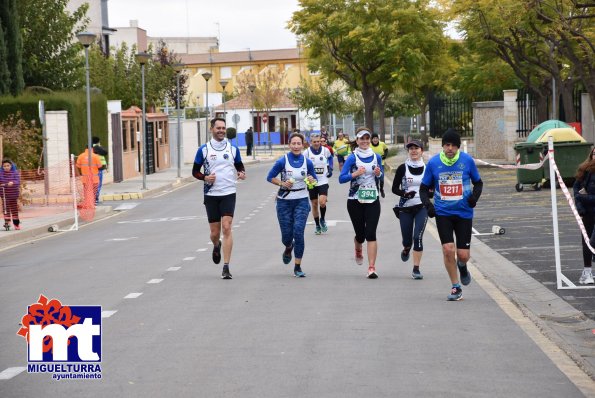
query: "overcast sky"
254, 24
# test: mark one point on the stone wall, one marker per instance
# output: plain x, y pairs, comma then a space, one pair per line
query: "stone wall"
488, 129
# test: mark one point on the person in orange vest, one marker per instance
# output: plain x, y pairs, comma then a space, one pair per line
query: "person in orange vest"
90, 174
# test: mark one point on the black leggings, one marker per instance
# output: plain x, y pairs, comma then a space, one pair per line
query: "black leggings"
589, 223
364, 217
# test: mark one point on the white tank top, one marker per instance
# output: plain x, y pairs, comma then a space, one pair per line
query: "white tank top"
298, 190
220, 162
412, 182
366, 180
320, 162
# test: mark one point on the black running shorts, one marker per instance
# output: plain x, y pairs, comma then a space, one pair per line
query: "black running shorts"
318, 190
461, 227
219, 206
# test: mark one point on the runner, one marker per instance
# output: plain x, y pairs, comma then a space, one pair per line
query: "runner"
451, 174
362, 168
292, 199
222, 167
322, 159
412, 214
381, 149
341, 147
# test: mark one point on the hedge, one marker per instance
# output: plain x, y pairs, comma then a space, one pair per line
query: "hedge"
75, 102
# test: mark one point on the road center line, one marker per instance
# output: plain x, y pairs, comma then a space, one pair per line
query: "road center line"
132, 295
9, 373
154, 281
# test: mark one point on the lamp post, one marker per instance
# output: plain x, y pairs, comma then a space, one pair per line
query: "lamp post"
86, 39
252, 87
207, 76
178, 68
142, 59
223, 83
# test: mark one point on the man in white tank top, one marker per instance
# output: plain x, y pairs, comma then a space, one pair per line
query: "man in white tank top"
222, 168
322, 159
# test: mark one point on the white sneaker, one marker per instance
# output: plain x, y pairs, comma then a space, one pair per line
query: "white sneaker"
586, 277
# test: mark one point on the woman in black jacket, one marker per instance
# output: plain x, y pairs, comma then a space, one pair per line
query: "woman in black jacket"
584, 197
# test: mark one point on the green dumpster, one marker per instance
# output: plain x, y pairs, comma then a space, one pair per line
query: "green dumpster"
527, 153
568, 155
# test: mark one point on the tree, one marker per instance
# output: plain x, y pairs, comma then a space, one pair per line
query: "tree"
9, 22
52, 56
363, 43
167, 59
4, 72
323, 97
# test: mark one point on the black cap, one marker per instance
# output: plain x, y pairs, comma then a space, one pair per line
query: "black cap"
416, 143
450, 136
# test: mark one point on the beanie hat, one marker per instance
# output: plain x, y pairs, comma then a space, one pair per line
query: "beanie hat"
450, 136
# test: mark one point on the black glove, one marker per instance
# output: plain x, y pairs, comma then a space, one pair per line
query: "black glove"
431, 210
409, 195
472, 201
329, 174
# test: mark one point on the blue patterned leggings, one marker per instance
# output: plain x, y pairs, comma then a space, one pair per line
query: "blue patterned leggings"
292, 215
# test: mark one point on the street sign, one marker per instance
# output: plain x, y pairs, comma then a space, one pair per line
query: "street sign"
265, 118
235, 118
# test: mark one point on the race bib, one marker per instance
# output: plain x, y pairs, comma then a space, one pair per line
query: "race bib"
319, 170
367, 195
451, 187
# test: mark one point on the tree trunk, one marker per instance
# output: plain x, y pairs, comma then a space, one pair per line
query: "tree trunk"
541, 108
423, 107
370, 99
380, 106
567, 93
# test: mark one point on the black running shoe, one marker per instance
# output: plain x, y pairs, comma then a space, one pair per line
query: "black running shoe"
217, 253
287, 254
465, 274
456, 294
225, 274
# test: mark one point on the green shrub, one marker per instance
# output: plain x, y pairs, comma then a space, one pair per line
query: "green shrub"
231, 133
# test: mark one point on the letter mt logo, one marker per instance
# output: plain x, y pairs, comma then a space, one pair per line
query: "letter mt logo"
58, 334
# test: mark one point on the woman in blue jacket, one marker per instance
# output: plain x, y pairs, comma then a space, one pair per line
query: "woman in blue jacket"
293, 173
362, 169
10, 185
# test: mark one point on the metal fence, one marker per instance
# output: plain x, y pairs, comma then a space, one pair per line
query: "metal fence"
527, 113
450, 112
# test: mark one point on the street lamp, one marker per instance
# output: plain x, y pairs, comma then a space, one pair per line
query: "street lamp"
252, 87
86, 39
223, 83
142, 59
178, 68
207, 76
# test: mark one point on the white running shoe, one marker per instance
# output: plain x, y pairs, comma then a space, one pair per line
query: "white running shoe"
586, 277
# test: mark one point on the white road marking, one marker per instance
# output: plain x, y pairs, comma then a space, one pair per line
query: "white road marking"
201, 250
174, 268
126, 206
248, 218
132, 295
107, 314
163, 219
242, 222
188, 258
153, 281
9, 373
121, 239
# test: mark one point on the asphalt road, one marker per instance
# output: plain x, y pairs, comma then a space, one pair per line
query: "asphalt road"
265, 333
528, 241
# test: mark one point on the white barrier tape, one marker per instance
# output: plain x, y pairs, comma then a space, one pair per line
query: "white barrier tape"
529, 166
570, 200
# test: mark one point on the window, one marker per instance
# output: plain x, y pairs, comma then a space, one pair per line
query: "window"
225, 72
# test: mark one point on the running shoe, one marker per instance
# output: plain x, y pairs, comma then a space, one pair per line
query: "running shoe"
217, 253
318, 230
464, 272
416, 275
17, 227
287, 254
456, 294
298, 273
359, 257
323, 225
225, 274
372, 273
586, 277
405, 254
382, 192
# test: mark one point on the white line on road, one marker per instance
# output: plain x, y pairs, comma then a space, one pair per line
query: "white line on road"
201, 250
107, 314
242, 222
132, 295
9, 373
174, 268
188, 258
153, 281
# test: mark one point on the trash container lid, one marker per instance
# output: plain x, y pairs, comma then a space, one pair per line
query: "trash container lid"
543, 127
565, 134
